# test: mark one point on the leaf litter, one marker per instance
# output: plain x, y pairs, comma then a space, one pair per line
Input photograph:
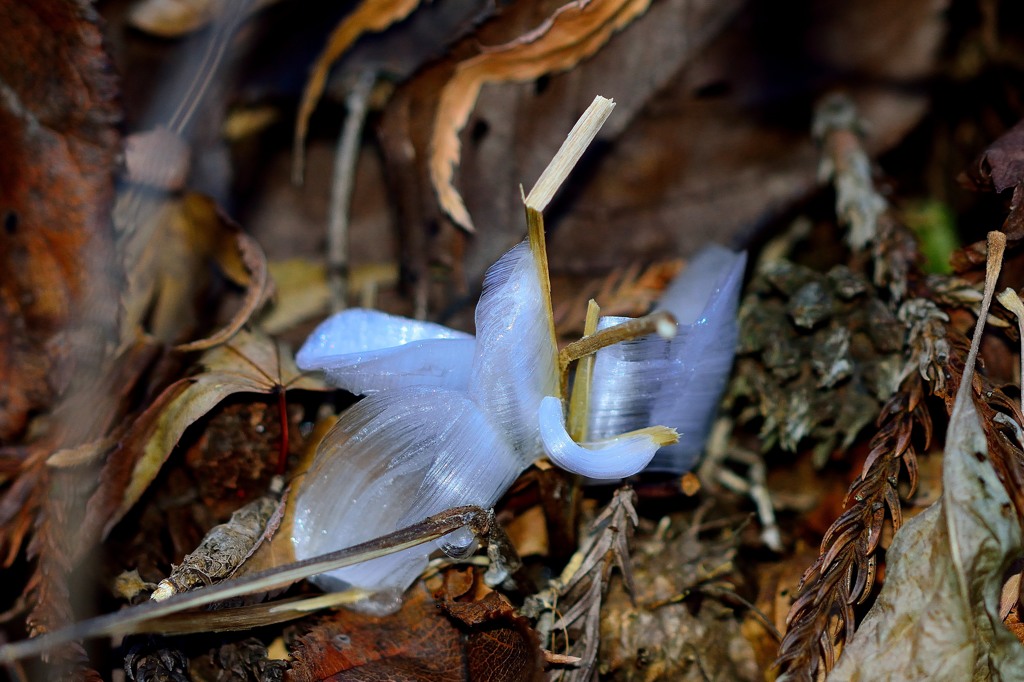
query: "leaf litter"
853, 341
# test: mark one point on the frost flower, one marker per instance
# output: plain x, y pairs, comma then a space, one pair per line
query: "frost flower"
448, 420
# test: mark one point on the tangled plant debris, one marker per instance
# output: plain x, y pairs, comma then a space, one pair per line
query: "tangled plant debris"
851, 509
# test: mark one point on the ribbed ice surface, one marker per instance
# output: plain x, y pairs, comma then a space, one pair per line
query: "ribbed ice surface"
366, 351
393, 459
452, 421
514, 367
679, 382
449, 421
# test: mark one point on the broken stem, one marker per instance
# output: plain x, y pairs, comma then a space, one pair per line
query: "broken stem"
579, 406
558, 169
569, 154
127, 620
661, 323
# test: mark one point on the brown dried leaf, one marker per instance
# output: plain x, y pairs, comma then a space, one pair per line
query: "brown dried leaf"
257, 287
630, 291
417, 643
170, 257
421, 643
60, 146
245, 365
1001, 166
371, 16
573, 33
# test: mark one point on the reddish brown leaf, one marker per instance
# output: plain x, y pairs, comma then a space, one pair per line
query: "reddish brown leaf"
505, 650
421, 643
417, 643
57, 116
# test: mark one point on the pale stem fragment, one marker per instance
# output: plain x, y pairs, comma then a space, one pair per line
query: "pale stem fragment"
557, 170
661, 323
128, 621
579, 406
569, 154
346, 158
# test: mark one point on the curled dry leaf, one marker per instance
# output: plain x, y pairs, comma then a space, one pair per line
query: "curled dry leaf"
370, 16
170, 271
573, 33
224, 548
243, 366
257, 286
1001, 166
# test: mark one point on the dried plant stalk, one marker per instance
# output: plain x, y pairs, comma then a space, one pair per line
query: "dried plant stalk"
821, 617
224, 548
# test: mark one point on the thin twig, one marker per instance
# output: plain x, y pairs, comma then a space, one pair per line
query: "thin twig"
346, 158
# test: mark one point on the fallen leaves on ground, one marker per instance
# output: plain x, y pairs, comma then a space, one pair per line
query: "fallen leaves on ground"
949, 563
418, 643
151, 447
250, 363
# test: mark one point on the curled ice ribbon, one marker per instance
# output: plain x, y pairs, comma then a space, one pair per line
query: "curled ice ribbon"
450, 419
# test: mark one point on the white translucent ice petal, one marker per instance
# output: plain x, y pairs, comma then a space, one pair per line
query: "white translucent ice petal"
394, 459
366, 351
626, 381
515, 362
676, 382
608, 459
707, 286
705, 352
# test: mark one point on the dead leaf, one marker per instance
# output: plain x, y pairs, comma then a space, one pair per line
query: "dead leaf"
573, 33
257, 286
244, 365
1001, 166
937, 616
626, 291
301, 293
418, 643
173, 18
170, 271
60, 143
528, 532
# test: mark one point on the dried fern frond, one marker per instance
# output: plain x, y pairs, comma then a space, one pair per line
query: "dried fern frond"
821, 619
571, 605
